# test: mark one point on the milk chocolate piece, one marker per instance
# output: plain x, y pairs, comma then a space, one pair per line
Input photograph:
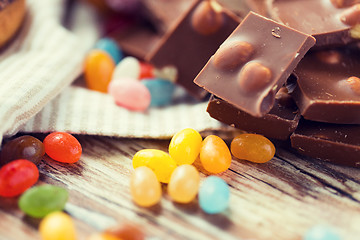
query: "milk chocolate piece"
253, 63
328, 86
328, 21
190, 44
336, 143
279, 123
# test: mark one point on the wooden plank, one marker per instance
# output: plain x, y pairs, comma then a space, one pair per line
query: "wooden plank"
277, 200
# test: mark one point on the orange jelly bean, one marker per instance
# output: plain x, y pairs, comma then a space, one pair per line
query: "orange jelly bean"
145, 188
98, 70
215, 155
126, 231
252, 147
102, 236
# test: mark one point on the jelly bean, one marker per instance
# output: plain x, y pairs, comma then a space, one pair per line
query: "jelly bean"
62, 147
168, 73
145, 187
111, 47
161, 91
214, 195
126, 231
41, 200
185, 146
252, 147
215, 155
146, 70
159, 161
129, 67
124, 6
321, 232
184, 183
130, 94
102, 236
99, 67
24, 147
57, 226
17, 176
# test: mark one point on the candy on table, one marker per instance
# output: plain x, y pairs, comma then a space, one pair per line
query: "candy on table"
321, 232
130, 94
185, 146
145, 187
215, 155
184, 184
126, 231
161, 91
147, 70
57, 226
128, 67
102, 236
168, 72
98, 69
62, 147
24, 147
111, 47
252, 147
17, 176
253, 63
41, 200
214, 195
159, 161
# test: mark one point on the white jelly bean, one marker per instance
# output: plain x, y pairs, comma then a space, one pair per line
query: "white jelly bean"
129, 67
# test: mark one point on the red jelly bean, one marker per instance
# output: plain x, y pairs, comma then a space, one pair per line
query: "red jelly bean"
62, 147
146, 70
17, 176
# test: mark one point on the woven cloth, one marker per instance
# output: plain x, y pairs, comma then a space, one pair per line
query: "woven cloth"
37, 95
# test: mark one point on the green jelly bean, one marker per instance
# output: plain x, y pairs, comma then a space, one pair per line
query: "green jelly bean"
41, 200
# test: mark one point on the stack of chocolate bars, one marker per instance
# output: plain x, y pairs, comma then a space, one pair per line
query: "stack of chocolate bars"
288, 69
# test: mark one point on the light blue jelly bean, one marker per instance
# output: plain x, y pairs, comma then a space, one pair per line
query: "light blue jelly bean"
321, 232
110, 46
214, 195
161, 91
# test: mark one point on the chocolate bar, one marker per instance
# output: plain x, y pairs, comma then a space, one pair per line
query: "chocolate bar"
336, 143
254, 63
329, 21
192, 41
279, 123
328, 86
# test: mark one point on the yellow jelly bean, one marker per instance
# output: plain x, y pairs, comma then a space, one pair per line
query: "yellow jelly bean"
185, 146
184, 183
102, 236
158, 161
145, 188
57, 226
252, 147
215, 155
98, 70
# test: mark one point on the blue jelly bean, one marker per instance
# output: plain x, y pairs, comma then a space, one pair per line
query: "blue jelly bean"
321, 232
161, 91
110, 46
214, 195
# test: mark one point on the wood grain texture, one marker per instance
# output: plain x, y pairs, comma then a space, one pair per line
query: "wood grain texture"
277, 200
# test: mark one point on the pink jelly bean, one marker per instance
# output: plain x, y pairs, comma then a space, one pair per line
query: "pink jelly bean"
130, 94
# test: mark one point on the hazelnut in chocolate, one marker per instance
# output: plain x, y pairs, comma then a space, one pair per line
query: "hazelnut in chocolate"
253, 63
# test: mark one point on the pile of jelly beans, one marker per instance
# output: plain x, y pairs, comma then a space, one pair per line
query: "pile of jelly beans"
133, 85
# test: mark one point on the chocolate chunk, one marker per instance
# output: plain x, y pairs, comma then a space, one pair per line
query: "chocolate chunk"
190, 44
279, 123
267, 54
328, 86
329, 21
335, 143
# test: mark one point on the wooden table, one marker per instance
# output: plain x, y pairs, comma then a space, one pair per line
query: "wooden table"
278, 200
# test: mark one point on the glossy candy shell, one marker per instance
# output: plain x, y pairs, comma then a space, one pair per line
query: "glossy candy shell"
214, 195
17, 176
57, 226
62, 147
128, 67
111, 47
42, 200
161, 91
98, 69
126, 231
